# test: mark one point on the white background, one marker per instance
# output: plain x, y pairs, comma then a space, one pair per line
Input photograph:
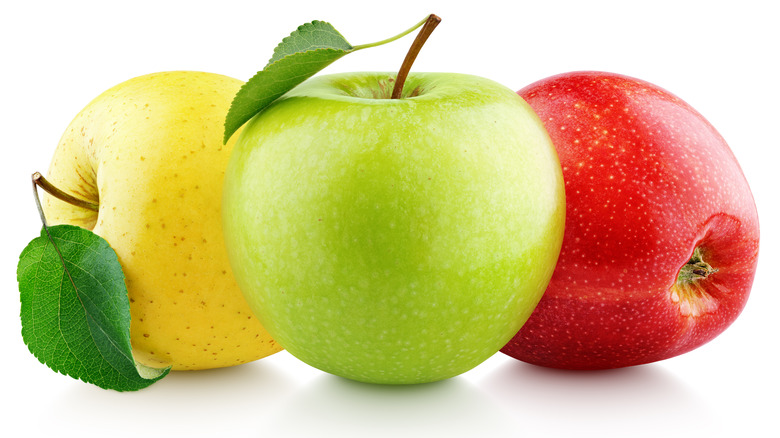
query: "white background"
721, 57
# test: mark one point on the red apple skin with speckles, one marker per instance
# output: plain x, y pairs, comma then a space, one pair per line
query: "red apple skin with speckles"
648, 180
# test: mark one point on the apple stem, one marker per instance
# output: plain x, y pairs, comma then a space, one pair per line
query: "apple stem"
40, 181
430, 24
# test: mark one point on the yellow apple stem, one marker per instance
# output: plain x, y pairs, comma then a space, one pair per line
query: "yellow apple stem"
430, 23
40, 181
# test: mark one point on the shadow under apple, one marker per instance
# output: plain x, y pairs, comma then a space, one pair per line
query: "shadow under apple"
334, 406
644, 400
217, 402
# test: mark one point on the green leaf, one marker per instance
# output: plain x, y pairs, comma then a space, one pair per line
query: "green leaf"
75, 310
311, 36
309, 49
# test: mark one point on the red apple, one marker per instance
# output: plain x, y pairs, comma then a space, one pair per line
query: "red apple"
661, 238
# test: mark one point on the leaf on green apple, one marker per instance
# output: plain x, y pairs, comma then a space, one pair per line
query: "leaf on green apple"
310, 36
309, 49
75, 310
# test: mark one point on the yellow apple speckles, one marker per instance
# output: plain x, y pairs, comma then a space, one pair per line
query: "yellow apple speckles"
150, 152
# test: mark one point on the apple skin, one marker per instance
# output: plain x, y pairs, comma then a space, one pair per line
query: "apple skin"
394, 241
150, 151
648, 180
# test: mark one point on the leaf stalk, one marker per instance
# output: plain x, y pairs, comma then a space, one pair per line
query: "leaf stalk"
393, 38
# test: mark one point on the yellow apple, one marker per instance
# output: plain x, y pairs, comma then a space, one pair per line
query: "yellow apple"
149, 151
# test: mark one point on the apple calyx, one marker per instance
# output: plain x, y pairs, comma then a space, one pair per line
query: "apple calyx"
696, 269
430, 24
689, 291
48, 187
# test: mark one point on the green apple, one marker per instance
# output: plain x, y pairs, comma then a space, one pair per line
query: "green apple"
394, 240
149, 153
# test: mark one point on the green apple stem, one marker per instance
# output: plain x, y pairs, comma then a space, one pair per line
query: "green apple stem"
430, 24
40, 181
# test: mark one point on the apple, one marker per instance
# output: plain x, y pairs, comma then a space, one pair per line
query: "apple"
149, 152
662, 235
389, 240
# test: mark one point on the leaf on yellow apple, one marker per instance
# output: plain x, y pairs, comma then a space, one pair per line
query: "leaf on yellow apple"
75, 311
